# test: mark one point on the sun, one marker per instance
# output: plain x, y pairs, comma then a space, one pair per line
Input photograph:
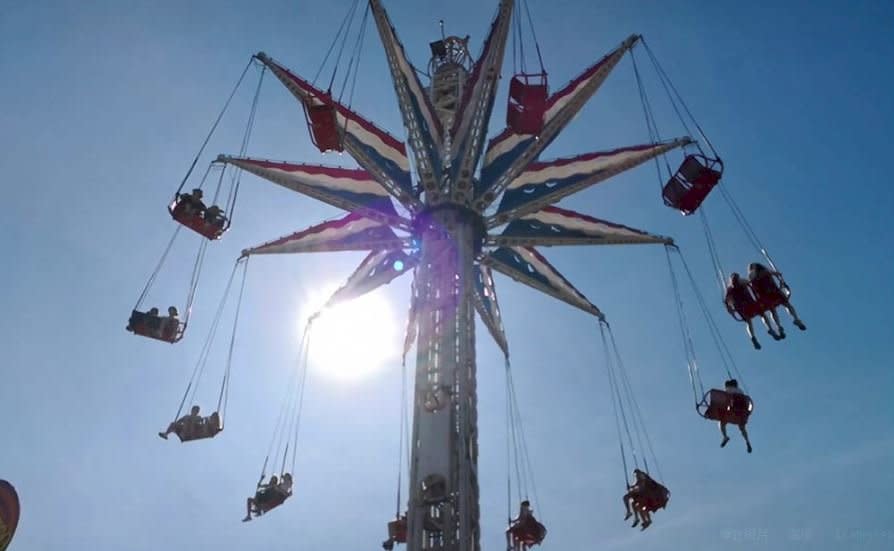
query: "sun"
355, 339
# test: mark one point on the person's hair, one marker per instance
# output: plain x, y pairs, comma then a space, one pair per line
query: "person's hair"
197, 192
734, 278
195, 408
526, 503
732, 382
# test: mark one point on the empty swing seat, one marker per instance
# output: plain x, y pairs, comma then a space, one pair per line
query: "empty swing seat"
210, 222
691, 184
157, 327
726, 407
323, 125
527, 103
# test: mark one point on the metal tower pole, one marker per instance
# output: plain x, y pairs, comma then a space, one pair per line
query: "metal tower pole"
443, 512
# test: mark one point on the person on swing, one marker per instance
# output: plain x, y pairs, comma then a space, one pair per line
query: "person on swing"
739, 300
765, 288
267, 496
731, 387
524, 530
185, 424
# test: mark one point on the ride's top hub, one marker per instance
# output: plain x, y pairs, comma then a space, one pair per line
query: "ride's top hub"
441, 221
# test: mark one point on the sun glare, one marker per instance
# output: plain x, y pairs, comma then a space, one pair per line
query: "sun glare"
354, 339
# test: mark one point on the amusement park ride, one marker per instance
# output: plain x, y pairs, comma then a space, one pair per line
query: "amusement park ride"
467, 207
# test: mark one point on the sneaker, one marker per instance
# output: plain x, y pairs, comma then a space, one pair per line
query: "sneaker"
247, 518
800, 325
781, 333
163, 435
628, 515
635, 522
749, 447
774, 334
725, 441
757, 345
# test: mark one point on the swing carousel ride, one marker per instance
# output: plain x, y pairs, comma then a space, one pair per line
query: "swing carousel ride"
452, 207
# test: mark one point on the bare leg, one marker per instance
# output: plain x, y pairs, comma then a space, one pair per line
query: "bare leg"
248, 505
171, 428
797, 321
779, 328
626, 500
750, 330
647, 518
723, 432
770, 329
745, 436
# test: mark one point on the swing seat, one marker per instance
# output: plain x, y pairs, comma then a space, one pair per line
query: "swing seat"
771, 293
397, 530
652, 497
726, 407
322, 122
527, 103
210, 223
268, 499
162, 328
208, 427
764, 301
691, 184
528, 533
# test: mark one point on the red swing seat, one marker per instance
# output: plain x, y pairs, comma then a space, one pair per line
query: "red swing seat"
527, 103
726, 407
528, 533
322, 122
211, 226
691, 184
397, 530
652, 497
162, 328
765, 299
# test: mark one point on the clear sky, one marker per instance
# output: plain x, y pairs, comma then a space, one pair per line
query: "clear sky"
102, 106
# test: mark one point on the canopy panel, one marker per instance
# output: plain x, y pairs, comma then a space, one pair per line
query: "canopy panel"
419, 117
509, 153
526, 265
350, 189
473, 114
545, 183
555, 226
485, 296
377, 151
377, 269
351, 233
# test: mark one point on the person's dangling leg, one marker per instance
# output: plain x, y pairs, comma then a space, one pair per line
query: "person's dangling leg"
796, 320
248, 506
745, 436
779, 329
171, 428
723, 432
770, 329
749, 328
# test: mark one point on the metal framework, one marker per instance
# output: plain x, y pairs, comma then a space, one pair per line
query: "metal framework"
451, 238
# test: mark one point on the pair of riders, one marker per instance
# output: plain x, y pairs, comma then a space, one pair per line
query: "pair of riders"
191, 204
645, 496
194, 426
155, 325
759, 295
268, 496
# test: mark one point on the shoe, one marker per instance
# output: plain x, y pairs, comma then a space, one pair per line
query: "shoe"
775, 335
725, 441
749, 448
757, 345
800, 325
635, 522
247, 518
163, 435
628, 515
781, 334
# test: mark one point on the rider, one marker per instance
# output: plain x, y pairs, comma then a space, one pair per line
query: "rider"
732, 389
185, 424
632, 490
192, 202
267, 496
739, 299
765, 288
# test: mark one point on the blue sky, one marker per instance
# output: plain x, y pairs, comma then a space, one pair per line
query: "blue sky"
105, 103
